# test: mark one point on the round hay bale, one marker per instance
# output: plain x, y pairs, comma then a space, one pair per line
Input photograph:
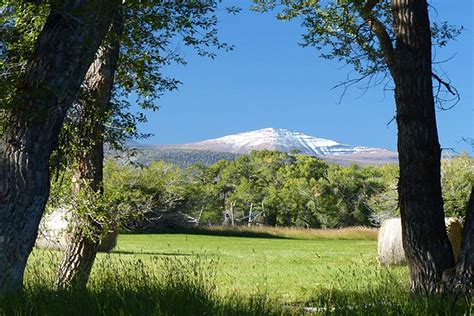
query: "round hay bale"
390, 245
53, 233
454, 227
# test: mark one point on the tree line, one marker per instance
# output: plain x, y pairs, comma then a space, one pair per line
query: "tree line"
262, 188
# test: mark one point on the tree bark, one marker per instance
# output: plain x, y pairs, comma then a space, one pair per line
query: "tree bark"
425, 240
64, 51
81, 251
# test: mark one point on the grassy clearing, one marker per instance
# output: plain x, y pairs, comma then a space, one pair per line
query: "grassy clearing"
349, 233
287, 268
179, 274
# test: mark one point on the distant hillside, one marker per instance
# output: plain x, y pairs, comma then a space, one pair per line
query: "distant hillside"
182, 158
362, 159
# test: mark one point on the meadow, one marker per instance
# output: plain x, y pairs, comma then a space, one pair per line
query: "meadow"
234, 272
280, 267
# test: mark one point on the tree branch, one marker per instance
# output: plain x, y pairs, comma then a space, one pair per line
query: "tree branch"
444, 83
378, 28
370, 4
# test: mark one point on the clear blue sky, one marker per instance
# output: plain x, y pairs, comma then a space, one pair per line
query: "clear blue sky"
270, 81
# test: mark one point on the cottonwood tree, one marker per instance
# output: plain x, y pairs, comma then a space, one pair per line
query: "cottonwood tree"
395, 38
141, 40
86, 230
32, 117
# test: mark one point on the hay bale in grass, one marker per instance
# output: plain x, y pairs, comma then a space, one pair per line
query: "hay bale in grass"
390, 246
53, 233
454, 228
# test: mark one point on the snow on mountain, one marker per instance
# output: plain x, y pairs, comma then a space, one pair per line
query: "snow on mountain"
281, 140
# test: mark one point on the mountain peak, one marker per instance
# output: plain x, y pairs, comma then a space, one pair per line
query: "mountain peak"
273, 130
278, 139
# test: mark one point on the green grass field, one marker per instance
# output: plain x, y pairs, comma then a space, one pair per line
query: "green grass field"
283, 272
285, 268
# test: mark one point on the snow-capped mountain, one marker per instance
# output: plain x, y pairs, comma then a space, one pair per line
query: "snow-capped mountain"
280, 140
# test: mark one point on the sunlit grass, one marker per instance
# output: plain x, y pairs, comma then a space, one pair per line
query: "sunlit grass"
178, 274
283, 267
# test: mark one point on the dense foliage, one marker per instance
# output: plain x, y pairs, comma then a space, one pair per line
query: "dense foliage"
265, 187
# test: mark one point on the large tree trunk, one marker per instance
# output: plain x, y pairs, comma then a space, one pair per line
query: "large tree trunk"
81, 251
428, 251
64, 51
425, 240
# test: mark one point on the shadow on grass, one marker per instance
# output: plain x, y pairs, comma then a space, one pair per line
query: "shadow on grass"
139, 301
152, 253
269, 232
224, 232
386, 301
193, 299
